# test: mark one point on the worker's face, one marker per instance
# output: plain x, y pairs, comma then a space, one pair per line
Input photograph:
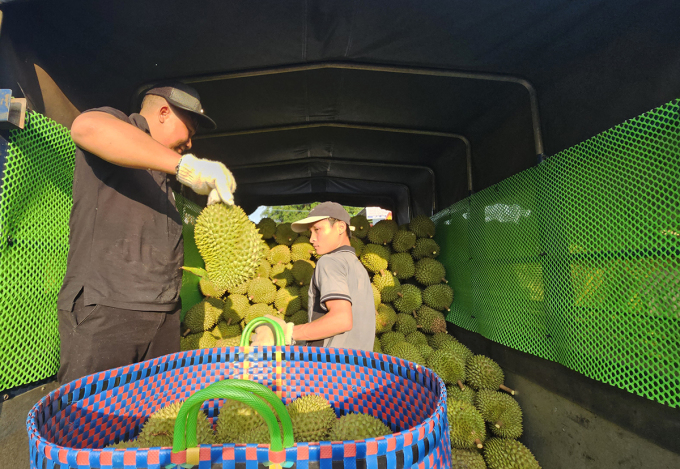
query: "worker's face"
176, 128
325, 237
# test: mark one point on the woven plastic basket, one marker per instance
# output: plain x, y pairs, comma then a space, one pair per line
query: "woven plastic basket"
69, 427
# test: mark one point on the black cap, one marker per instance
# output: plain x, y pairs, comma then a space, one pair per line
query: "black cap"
321, 212
184, 97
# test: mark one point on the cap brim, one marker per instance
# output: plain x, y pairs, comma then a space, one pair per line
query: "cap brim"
203, 120
303, 225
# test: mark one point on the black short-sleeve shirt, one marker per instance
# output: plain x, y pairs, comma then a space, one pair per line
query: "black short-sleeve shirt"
125, 241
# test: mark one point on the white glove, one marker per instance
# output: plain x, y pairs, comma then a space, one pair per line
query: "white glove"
264, 336
207, 177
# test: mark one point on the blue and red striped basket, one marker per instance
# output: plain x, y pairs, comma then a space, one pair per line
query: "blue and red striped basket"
70, 426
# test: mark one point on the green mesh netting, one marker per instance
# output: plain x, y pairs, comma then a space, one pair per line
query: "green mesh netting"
190, 291
34, 210
578, 260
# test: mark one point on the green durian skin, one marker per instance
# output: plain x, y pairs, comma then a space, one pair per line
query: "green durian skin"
467, 459
208, 288
299, 317
408, 352
234, 420
499, 408
230, 342
258, 310
204, 315
240, 289
385, 318
377, 348
261, 290
410, 301
284, 234
288, 300
401, 265
224, 331
235, 305
502, 453
425, 247
312, 417
158, 430
405, 324
302, 271
430, 320
264, 269
447, 366
461, 351
389, 339
358, 245
279, 255
375, 257
229, 243
377, 298
358, 427
282, 276
199, 340
382, 232
388, 285
267, 228
422, 226
301, 249
416, 338
466, 395
424, 350
304, 298
403, 241
438, 297
429, 272
438, 340
361, 226
465, 424
484, 373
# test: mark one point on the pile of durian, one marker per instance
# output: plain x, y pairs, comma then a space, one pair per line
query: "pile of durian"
312, 416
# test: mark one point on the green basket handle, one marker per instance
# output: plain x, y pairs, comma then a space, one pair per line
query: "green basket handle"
279, 336
247, 392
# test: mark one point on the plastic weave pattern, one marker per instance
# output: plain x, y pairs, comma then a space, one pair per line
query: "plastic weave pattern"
578, 259
36, 199
70, 426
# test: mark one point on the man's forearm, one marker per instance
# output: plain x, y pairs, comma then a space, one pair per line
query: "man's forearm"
336, 321
121, 143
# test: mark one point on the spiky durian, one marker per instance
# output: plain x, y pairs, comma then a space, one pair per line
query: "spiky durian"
403, 241
263, 269
466, 459
484, 373
267, 228
299, 317
407, 352
284, 234
261, 290
385, 318
312, 417
401, 265
235, 305
302, 271
229, 342
430, 272
304, 298
229, 243
437, 340
206, 286
288, 300
425, 247
358, 245
508, 454
447, 366
466, 425
240, 289
375, 257
409, 300
501, 411
158, 430
236, 419
204, 315
279, 255
416, 337
377, 348
389, 339
430, 320
459, 350
376, 296
224, 330
358, 427
405, 324
438, 297
301, 249
422, 226
425, 350
388, 285
467, 394
259, 310
282, 276
361, 226
382, 232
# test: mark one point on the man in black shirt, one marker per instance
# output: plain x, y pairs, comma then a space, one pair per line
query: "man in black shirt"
119, 303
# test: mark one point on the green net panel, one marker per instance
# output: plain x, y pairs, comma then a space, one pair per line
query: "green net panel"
578, 260
34, 209
190, 292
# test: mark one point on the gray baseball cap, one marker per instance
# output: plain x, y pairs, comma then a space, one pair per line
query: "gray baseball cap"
184, 97
320, 212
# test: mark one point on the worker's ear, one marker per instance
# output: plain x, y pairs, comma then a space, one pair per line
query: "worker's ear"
164, 113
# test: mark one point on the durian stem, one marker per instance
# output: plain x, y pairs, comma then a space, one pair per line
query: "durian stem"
497, 425
229, 322
461, 385
508, 390
444, 280
479, 444
187, 332
400, 295
382, 272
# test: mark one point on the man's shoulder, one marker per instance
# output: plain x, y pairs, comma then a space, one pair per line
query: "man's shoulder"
111, 111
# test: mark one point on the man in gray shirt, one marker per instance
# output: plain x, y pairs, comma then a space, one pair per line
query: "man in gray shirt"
341, 307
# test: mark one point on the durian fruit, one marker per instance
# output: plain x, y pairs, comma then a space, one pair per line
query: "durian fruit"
264, 268
466, 425
401, 265
438, 297
382, 232
259, 435
408, 352
229, 243
430, 320
430, 272
302, 271
467, 394
422, 226
484, 373
204, 315
358, 245
261, 290
425, 247
284, 234
259, 310
235, 305
235, 420
405, 324
437, 340
377, 348
424, 350
501, 411
385, 318
240, 289
288, 300
301, 250
267, 228
224, 330
409, 299
389, 339
449, 368
466, 459
230, 342
416, 337
375, 257
361, 226
358, 427
158, 430
271, 243
299, 317
206, 286
377, 299
304, 298
279, 255
203, 339
312, 417
508, 454
282, 276
388, 285
459, 350
403, 241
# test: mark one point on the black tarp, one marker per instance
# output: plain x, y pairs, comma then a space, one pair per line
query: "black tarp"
592, 63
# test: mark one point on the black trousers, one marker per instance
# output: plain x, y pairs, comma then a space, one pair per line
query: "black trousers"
97, 338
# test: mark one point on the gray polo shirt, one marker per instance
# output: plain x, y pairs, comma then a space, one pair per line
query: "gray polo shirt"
340, 276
